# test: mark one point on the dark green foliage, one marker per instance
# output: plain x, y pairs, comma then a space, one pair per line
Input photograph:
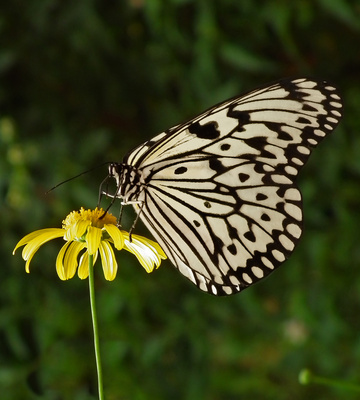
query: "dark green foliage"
83, 82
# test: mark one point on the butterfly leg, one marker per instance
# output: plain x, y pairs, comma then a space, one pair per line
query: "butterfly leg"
120, 215
140, 205
104, 192
107, 194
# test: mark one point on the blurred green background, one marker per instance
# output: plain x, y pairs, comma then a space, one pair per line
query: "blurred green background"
83, 82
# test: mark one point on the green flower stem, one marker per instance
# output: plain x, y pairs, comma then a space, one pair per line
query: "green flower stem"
95, 327
306, 377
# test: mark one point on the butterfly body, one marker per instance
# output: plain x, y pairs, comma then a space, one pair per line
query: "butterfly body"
218, 191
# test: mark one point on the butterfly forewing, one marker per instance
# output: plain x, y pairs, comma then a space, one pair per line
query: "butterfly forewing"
218, 191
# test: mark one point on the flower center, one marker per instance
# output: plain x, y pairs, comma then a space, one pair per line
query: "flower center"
96, 218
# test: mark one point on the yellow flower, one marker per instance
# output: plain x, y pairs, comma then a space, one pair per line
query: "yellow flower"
93, 232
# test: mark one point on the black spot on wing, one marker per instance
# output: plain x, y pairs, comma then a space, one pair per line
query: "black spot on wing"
233, 233
308, 107
243, 177
259, 144
242, 116
265, 217
284, 135
232, 249
225, 146
250, 236
216, 165
261, 197
303, 120
180, 170
206, 131
276, 127
218, 243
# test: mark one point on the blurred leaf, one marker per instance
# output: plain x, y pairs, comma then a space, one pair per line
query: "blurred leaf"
245, 60
344, 11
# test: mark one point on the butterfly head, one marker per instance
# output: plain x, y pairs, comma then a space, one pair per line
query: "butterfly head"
116, 171
127, 181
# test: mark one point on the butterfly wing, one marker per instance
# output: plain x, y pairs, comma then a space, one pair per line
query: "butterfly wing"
218, 191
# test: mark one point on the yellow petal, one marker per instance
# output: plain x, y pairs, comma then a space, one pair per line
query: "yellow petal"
147, 242
40, 236
147, 256
34, 240
76, 230
108, 260
116, 235
80, 227
60, 262
155, 246
83, 270
66, 261
93, 239
28, 260
71, 258
70, 232
27, 264
69, 235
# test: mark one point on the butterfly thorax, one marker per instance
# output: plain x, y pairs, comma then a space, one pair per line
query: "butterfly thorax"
128, 181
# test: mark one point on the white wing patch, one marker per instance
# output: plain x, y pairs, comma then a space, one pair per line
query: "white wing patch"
218, 191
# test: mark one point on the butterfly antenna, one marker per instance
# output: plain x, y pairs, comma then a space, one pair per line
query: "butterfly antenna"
76, 176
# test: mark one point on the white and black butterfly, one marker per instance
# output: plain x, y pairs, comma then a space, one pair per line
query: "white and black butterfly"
218, 192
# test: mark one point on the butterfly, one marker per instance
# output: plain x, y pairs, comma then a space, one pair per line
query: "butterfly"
218, 192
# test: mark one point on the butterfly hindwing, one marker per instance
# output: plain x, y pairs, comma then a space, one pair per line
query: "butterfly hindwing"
218, 191
221, 229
